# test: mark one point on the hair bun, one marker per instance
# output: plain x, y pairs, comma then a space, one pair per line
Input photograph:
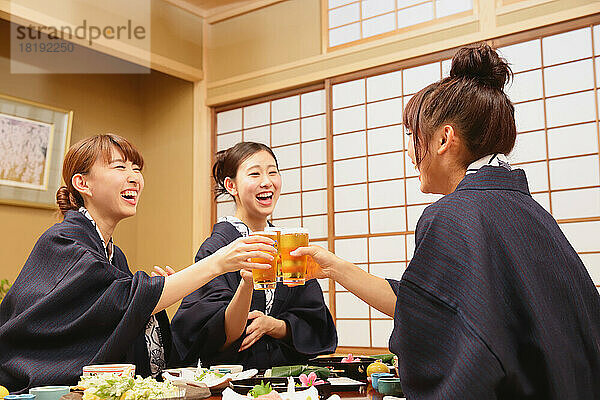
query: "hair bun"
481, 64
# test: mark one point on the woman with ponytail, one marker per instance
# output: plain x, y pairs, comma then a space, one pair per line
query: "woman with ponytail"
495, 303
75, 302
225, 321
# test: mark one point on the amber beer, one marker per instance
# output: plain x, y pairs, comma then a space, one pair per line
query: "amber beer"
293, 268
277, 230
265, 278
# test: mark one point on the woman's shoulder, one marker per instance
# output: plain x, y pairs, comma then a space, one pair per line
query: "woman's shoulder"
222, 234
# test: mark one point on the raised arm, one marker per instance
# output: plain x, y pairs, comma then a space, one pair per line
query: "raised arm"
371, 289
227, 259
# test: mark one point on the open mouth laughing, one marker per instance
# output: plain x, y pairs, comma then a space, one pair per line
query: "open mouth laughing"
265, 198
130, 196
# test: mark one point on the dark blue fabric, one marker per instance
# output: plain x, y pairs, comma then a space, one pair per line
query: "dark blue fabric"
495, 304
199, 325
69, 307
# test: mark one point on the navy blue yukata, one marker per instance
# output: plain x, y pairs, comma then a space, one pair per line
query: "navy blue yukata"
199, 325
70, 307
495, 304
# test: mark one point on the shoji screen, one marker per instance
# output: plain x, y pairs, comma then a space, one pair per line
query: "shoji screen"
352, 20
376, 201
555, 94
294, 127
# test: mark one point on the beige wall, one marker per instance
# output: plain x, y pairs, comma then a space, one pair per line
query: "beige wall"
155, 112
279, 46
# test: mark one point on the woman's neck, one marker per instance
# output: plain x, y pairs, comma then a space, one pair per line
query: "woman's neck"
254, 223
105, 225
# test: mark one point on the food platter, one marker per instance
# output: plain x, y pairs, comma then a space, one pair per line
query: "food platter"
356, 370
278, 384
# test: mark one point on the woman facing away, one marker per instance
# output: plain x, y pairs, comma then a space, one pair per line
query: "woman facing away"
226, 321
495, 303
75, 302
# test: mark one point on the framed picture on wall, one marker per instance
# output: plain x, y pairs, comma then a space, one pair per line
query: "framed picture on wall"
33, 141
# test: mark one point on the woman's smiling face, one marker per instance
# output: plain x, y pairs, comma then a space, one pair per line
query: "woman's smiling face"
257, 185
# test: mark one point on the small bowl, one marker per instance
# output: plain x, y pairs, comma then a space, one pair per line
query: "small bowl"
389, 386
49, 392
117, 369
227, 368
376, 375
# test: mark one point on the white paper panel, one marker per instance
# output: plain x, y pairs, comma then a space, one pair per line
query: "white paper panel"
350, 171
371, 8
414, 214
350, 197
256, 115
228, 140
313, 103
571, 108
388, 270
285, 133
349, 145
314, 152
352, 223
415, 15
353, 250
288, 223
571, 77
543, 199
583, 236
260, 135
349, 119
567, 46
348, 93
225, 208
324, 283
529, 116
574, 172
407, 3
388, 220
314, 202
288, 156
386, 166
417, 78
384, 86
314, 177
537, 176
523, 56
285, 108
526, 86
338, 3
596, 39
592, 264
387, 248
317, 226
290, 181
446, 66
386, 193
345, 34
378, 25
228, 121
382, 330
576, 203
344, 15
385, 139
287, 206
449, 7
353, 333
313, 127
529, 146
386, 112
410, 245
573, 140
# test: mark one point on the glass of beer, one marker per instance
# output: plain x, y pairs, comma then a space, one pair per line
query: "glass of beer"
293, 268
277, 230
265, 278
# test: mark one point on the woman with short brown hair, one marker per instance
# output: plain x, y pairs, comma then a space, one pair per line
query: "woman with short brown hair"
75, 302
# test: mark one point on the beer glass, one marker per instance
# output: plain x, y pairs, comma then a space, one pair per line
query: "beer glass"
277, 230
265, 278
293, 268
